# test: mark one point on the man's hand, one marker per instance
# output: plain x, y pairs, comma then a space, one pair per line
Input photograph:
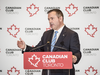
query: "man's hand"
74, 58
21, 44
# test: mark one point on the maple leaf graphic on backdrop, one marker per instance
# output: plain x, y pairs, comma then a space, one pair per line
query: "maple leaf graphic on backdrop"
91, 71
13, 30
32, 45
48, 28
91, 30
13, 71
32, 9
34, 60
71, 9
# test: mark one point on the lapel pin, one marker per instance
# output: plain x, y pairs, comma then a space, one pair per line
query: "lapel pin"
63, 35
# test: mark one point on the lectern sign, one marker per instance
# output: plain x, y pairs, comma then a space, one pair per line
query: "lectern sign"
47, 60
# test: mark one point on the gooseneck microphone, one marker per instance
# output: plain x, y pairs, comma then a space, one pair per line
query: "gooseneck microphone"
62, 43
39, 46
59, 47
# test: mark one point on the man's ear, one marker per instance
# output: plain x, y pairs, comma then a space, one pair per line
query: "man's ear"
61, 19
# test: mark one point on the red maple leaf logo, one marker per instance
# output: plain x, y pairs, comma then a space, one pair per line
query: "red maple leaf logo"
71, 9
32, 9
48, 28
91, 71
34, 60
13, 71
13, 30
32, 45
91, 30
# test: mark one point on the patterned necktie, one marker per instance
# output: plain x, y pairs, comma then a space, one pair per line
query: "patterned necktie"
53, 40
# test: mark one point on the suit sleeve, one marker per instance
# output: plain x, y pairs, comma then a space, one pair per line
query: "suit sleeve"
75, 46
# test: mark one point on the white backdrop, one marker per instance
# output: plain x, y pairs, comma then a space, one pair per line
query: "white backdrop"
81, 16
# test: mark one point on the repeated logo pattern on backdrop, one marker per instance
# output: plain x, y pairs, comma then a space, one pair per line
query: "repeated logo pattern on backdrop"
82, 17
91, 30
12, 9
13, 71
71, 9
91, 71
48, 28
13, 30
32, 9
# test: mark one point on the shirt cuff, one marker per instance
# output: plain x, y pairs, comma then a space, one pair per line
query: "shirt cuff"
24, 48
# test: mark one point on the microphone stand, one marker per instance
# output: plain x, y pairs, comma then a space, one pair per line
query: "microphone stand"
48, 71
59, 47
39, 46
69, 71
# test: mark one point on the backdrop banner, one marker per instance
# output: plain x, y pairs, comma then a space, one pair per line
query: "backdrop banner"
28, 20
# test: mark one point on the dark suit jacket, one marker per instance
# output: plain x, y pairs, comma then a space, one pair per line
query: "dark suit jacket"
68, 39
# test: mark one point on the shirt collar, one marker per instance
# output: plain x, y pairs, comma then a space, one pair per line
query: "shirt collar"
59, 31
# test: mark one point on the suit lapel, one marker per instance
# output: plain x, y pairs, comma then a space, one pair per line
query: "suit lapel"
50, 38
60, 39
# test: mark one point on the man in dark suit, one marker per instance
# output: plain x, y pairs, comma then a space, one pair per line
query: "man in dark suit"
64, 37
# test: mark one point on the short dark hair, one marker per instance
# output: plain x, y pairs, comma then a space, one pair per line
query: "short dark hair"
58, 12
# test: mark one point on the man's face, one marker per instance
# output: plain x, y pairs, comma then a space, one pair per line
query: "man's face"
54, 21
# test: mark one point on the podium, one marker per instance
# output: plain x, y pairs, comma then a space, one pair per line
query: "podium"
47, 60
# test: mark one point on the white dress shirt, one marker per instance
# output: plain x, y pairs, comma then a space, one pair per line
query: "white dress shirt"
58, 34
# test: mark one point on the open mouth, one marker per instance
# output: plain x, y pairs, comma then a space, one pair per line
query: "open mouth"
51, 25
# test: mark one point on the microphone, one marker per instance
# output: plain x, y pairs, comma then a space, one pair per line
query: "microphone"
40, 46
62, 43
59, 47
